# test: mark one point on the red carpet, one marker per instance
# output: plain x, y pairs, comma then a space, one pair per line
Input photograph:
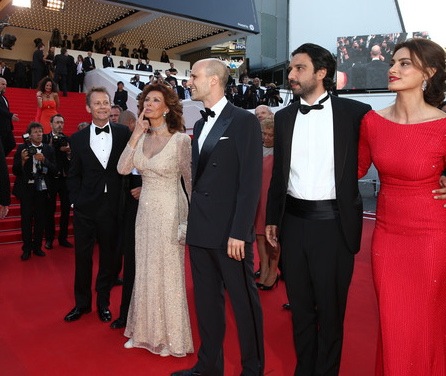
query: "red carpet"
34, 340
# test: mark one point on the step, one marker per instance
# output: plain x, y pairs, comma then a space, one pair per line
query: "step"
15, 236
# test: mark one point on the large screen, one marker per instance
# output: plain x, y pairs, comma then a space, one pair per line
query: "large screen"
363, 60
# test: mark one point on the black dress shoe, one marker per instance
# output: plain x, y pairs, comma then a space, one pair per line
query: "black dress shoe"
104, 314
186, 372
25, 255
39, 252
65, 243
76, 313
119, 323
286, 306
49, 244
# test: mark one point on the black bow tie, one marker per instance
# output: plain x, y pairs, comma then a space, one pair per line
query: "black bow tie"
106, 129
304, 109
206, 113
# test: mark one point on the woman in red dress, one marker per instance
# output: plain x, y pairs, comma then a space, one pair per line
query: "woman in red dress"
47, 103
407, 144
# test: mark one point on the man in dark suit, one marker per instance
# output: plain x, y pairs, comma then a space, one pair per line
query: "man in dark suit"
33, 167
94, 187
376, 71
258, 94
149, 67
5, 72
177, 89
245, 92
226, 173
88, 63
5, 190
62, 151
107, 60
315, 201
129, 64
61, 63
6, 119
140, 65
136, 82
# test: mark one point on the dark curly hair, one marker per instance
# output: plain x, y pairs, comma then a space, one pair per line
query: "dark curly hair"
42, 83
427, 55
174, 118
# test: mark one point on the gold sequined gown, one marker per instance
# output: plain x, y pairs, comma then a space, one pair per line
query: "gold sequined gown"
158, 317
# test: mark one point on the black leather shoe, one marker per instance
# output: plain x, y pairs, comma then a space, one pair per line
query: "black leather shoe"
104, 314
119, 323
25, 255
49, 244
76, 313
39, 252
186, 372
286, 306
65, 243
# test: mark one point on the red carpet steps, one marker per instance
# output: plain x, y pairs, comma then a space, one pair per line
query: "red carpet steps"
23, 103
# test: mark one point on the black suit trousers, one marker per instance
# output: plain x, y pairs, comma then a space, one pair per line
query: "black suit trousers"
212, 272
59, 187
32, 215
318, 268
99, 225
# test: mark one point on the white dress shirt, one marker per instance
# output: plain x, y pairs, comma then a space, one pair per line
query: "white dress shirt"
312, 155
101, 144
217, 108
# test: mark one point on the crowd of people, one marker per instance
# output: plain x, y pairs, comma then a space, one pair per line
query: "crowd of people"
134, 181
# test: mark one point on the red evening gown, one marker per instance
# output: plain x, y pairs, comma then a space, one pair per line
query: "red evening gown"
409, 244
49, 108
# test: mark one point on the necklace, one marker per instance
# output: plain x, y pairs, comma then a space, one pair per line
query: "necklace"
158, 128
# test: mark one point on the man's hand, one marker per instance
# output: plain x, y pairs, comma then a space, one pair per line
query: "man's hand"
3, 211
135, 192
272, 234
236, 249
15, 117
440, 194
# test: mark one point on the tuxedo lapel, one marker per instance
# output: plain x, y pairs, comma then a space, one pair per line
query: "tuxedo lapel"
195, 152
287, 136
212, 139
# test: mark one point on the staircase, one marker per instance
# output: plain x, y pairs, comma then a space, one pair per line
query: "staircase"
23, 103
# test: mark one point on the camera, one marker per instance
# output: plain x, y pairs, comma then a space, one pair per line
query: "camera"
32, 150
59, 140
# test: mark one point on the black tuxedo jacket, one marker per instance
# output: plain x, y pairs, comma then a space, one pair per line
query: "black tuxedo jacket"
140, 85
86, 177
25, 173
180, 92
347, 115
61, 158
6, 127
227, 176
88, 64
141, 67
246, 98
107, 62
129, 66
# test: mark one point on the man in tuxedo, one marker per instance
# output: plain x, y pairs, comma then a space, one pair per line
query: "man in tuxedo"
88, 63
140, 65
187, 94
129, 64
33, 167
149, 67
62, 151
5, 72
107, 60
258, 94
315, 202
94, 187
61, 63
136, 82
245, 92
177, 89
227, 174
6, 119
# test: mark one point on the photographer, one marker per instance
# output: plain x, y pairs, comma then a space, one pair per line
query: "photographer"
33, 167
272, 95
60, 143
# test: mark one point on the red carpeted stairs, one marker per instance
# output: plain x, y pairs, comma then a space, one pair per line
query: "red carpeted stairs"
23, 103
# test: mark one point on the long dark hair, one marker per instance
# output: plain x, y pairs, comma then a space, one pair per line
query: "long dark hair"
174, 118
427, 55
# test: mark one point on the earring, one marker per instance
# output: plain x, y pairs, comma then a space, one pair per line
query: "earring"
424, 85
165, 114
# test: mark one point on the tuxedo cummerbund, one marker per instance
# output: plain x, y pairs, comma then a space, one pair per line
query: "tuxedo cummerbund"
312, 209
